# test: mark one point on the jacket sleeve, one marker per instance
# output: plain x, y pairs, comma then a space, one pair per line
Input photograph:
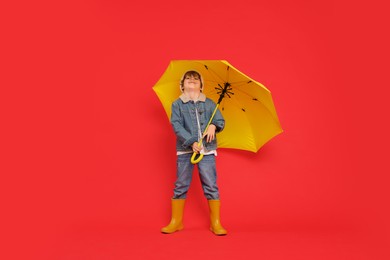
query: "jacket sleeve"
182, 134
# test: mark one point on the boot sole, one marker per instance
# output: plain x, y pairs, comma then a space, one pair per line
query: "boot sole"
170, 232
218, 234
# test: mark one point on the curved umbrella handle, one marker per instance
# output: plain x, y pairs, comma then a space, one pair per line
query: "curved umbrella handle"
195, 160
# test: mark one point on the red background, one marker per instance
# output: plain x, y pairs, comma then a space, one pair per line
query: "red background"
88, 155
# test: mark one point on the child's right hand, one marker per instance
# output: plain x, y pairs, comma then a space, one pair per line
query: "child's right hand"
196, 148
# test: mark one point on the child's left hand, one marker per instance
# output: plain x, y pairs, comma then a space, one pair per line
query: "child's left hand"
210, 133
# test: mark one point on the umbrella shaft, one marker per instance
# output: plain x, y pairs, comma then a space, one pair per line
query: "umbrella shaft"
208, 124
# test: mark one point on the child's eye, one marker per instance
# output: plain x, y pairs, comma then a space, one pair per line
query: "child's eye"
195, 78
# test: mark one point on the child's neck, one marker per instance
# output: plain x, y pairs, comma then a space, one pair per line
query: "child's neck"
192, 95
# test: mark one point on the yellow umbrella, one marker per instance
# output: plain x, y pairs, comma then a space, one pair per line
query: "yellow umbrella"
245, 104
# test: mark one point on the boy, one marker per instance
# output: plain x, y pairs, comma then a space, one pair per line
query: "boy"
190, 115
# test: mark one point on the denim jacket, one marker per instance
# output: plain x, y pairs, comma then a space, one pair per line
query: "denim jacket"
183, 120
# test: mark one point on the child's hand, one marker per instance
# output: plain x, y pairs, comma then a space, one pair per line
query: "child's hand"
210, 133
196, 148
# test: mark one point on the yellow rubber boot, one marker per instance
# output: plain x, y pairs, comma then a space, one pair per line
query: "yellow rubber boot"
176, 223
215, 222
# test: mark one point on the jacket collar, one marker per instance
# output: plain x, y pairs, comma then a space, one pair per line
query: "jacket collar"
185, 99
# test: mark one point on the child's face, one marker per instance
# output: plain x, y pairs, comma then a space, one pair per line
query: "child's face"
192, 82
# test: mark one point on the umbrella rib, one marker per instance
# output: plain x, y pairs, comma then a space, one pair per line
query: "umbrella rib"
227, 73
258, 100
241, 91
234, 98
213, 74
240, 83
250, 96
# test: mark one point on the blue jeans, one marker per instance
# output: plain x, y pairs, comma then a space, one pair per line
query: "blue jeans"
207, 173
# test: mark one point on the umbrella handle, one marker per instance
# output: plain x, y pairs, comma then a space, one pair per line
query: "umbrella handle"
195, 160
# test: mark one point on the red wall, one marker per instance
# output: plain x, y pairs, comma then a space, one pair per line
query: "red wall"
86, 139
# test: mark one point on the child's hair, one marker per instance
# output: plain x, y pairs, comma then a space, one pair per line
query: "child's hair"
191, 73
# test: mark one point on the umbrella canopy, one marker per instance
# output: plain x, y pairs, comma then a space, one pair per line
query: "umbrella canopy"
246, 105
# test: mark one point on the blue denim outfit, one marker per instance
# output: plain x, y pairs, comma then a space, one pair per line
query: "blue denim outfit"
184, 122
207, 173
